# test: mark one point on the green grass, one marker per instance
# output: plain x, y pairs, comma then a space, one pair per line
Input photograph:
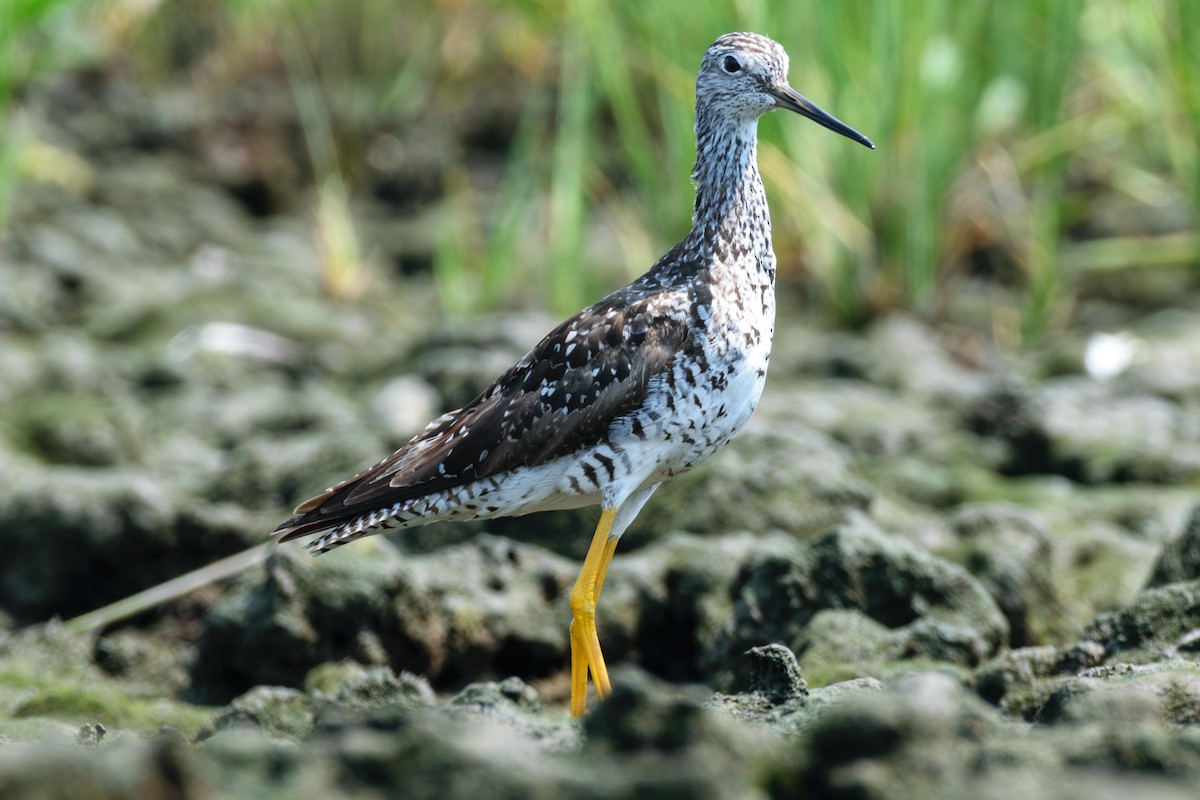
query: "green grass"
1046, 89
988, 116
24, 696
36, 37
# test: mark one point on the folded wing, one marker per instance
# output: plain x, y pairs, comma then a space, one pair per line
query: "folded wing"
561, 397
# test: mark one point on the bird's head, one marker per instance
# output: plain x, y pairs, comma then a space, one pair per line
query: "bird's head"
744, 75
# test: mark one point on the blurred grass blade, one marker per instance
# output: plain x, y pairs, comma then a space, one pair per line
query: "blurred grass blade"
1130, 252
458, 256
168, 590
342, 271
33, 37
571, 158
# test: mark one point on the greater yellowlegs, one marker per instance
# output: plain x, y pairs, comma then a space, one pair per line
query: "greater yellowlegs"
638, 388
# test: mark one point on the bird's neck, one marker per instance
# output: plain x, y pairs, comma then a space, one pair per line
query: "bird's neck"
730, 218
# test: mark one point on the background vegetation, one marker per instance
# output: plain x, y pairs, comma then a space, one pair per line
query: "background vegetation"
1022, 146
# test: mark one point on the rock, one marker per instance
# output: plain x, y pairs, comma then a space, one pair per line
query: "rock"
773, 476
924, 736
1009, 417
460, 361
793, 714
348, 683
1168, 355
76, 430
276, 711
1083, 700
154, 770
515, 704
265, 471
1180, 560
771, 671
125, 530
50, 686
1116, 695
1179, 694
841, 643
934, 609
1009, 549
1106, 541
90, 735
457, 614
276, 446
1096, 437
898, 352
423, 755
664, 603
404, 406
1081, 429
643, 715
908, 354
511, 690
865, 746
860, 419
146, 658
1013, 670
1152, 626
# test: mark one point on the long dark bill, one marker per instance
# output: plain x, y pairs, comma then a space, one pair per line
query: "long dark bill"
792, 100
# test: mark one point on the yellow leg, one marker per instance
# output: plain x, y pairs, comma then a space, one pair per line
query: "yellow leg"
585, 644
610, 547
601, 681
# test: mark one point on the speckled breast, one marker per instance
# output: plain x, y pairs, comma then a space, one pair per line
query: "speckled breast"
712, 393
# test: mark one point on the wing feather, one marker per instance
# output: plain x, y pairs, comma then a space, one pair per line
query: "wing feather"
564, 395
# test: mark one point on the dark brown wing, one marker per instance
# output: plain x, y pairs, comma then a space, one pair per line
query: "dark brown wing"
561, 397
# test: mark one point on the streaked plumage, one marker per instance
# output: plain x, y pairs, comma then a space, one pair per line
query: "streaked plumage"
633, 390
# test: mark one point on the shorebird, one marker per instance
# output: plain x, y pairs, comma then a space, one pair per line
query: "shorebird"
627, 393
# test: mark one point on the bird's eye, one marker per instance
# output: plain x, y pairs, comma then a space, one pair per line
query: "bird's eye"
731, 65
